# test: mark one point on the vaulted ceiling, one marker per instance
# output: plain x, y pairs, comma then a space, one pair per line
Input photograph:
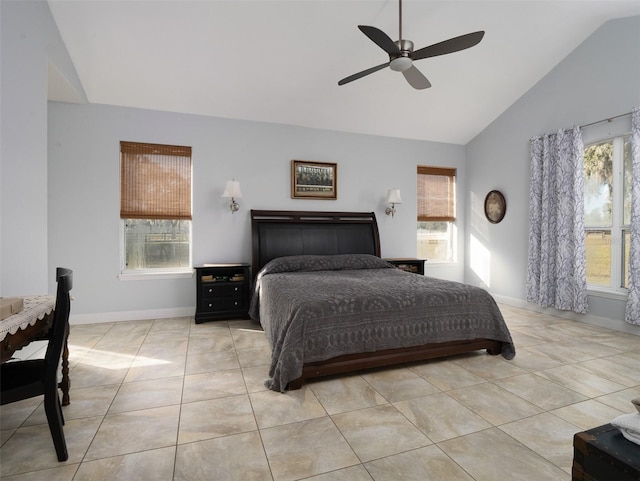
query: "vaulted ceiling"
280, 61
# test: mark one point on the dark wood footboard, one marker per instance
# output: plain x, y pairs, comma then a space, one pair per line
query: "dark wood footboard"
390, 357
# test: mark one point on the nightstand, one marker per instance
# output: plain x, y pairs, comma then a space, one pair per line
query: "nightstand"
409, 264
223, 291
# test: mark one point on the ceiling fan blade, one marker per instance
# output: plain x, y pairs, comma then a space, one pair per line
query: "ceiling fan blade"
380, 38
449, 46
358, 75
416, 79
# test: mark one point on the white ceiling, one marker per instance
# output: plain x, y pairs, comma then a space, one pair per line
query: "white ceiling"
280, 61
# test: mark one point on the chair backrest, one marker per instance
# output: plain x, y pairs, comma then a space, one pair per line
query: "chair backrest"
59, 329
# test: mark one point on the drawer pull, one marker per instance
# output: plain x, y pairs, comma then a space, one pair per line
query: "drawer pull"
210, 290
235, 289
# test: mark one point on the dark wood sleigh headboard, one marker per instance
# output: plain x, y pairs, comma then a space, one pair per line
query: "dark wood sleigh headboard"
278, 233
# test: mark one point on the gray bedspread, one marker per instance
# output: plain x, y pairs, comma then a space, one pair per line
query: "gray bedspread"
314, 308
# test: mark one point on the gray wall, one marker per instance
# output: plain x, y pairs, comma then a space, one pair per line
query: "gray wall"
29, 42
84, 194
59, 173
599, 79
59, 180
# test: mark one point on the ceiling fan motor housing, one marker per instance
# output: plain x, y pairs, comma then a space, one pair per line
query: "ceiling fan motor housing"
402, 61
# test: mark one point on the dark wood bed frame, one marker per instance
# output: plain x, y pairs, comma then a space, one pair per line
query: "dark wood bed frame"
285, 233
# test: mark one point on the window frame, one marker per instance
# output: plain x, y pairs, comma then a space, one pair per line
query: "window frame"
153, 272
127, 273
616, 230
448, 217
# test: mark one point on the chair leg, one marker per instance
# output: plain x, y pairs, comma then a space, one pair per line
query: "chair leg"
55, 420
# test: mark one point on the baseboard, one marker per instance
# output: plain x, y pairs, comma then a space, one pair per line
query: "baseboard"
615, 324
131, 315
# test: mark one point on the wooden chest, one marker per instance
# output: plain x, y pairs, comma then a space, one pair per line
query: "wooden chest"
603, 454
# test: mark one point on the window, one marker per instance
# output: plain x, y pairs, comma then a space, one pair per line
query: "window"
607, 212
155, 207
436, 213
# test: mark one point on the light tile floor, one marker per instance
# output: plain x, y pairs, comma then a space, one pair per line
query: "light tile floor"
171, 400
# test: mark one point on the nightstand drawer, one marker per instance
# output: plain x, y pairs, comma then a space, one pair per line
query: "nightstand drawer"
222, 304
222, 289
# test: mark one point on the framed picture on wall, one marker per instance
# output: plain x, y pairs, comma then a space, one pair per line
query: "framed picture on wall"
314, 180
495, 206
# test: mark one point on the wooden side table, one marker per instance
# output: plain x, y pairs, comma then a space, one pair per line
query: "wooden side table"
409, 264
223, 291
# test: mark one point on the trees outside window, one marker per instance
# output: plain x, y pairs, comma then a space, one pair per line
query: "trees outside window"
607, 216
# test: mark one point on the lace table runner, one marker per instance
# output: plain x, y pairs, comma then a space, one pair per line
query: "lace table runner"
35, 308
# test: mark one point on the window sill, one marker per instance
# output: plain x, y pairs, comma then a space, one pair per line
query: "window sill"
608, 294
155, 274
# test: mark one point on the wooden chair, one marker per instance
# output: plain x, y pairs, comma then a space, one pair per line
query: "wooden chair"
35, 377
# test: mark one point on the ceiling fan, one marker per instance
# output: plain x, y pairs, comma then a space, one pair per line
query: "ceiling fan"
402, 55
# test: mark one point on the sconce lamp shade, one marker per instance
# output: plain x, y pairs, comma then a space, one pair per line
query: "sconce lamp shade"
232, 189
393, 196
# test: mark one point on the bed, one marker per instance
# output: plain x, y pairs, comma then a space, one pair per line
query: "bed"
329, 304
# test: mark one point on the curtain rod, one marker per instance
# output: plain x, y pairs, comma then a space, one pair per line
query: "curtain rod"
605, 120
608, 119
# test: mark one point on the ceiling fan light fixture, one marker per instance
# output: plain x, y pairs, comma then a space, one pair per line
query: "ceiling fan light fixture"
400, 64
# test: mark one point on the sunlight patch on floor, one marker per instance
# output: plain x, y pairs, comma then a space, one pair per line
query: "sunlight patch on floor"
112, 360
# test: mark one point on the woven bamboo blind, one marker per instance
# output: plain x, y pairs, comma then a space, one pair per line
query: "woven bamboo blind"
436, 194
155, 181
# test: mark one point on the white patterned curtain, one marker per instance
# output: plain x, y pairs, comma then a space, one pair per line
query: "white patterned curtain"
632, 312
556, 271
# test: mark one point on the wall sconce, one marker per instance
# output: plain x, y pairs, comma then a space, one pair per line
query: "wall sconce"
232, 191
393, 198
